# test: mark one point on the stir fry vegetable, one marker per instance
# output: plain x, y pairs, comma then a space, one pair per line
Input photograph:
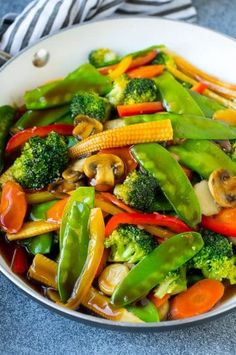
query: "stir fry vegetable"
118, 187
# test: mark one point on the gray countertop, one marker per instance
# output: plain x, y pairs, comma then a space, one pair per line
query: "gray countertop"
27, 328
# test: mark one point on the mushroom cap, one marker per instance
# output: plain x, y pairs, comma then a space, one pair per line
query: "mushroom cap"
103, 169
74, 171
86, 126
222, 185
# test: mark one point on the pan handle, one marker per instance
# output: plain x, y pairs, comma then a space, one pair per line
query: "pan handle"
4, 57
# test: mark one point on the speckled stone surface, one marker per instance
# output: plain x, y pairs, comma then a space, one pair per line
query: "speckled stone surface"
27, 328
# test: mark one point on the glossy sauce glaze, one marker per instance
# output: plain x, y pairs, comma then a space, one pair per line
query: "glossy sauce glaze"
7, 250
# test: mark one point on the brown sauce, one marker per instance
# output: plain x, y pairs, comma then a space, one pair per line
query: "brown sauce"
6, 251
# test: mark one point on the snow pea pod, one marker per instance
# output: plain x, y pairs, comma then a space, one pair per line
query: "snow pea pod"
39, 212
7, 114
175, 97
74, 240
67, 119
41, 244
60, 92
146, 312
206, 104
41, 118
171, 179
152, 269
203, 157
188, 126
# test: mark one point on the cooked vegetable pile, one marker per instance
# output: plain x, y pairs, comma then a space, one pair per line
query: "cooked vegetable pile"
118, 187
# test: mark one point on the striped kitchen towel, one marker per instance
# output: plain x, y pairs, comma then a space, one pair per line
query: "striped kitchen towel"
43, 17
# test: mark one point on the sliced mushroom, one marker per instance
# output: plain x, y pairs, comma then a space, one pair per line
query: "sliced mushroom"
207, 203
86, 126
75, 171
61, 187
222, 186
111, 276
225, 145
103, 169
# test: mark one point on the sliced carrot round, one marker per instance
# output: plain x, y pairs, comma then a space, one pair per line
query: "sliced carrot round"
198, 299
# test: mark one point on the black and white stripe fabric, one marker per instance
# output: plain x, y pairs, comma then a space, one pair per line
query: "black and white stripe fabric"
43, 17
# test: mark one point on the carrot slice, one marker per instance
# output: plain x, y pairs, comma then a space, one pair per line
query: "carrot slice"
148, 71
197, 299
139, 109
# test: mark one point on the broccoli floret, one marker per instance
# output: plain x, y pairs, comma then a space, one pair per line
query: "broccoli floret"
115, 96
138, 190
90, 104
164, 58
130, 244
140, 90
41, 162
102, 56
174, 282
215, 259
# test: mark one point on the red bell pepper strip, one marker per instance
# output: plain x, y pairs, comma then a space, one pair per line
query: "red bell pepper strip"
13, 207
136, 62
143, 60
111, 198
199, 87
222, 223
170, 222
187, 171
23, 136
19, 263
148, 71
139, 109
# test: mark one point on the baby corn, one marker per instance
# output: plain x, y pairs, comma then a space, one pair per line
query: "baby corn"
44, 270
123, 136
31, 229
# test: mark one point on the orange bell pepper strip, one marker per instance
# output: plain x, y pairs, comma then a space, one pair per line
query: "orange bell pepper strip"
136, 62
198, 299
54, 214
13, 207
140, 108
148, 71
121, 68
227, 115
